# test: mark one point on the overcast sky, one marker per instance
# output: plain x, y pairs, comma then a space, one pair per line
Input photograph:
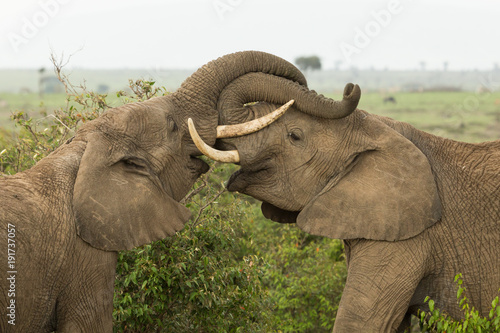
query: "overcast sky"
393, 34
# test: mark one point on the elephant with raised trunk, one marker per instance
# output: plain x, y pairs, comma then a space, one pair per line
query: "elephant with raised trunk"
115, 185
412, 208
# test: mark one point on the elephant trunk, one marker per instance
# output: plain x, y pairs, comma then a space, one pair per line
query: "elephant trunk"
206, 84
254, 87
200, 92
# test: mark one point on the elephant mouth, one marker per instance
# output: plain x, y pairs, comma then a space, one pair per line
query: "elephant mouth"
237, 182
198, 166
245, 179
255, 170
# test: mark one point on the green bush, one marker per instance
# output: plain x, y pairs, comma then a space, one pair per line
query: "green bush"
306, 284
193, 282
473, 322
306, 273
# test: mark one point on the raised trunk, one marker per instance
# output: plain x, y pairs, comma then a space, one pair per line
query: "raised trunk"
200, 92
254, 87
206, 84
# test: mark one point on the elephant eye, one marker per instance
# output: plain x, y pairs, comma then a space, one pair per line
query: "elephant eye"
294, 136
172, 125
134, 164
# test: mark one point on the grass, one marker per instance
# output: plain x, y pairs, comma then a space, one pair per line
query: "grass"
35, 106
463, 116
31, 103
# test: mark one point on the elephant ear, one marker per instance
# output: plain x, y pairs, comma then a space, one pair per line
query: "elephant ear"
117, 209
388, 194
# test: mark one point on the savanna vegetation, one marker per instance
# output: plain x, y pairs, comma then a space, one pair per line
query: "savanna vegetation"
231, 270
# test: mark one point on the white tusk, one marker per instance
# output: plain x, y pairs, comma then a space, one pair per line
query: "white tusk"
231, 131
231, 156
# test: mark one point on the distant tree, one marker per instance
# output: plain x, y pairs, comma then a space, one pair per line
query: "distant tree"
102, 88
422, 65
311, 62
40, 80
51, 85
445, 66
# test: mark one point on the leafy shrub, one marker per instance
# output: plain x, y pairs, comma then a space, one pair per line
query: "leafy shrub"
193, 282
438, 321
306, 275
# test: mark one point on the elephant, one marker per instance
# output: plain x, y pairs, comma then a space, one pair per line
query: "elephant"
115, 185
413, 209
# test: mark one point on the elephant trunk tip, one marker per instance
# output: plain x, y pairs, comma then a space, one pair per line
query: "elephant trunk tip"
350, 100
352, 92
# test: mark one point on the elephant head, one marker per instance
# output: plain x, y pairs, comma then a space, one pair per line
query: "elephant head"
138, 160
333, 169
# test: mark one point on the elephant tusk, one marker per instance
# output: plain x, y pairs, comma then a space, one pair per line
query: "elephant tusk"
231, 156
231, 131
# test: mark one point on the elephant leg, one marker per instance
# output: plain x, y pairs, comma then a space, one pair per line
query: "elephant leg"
86, 304
381, 280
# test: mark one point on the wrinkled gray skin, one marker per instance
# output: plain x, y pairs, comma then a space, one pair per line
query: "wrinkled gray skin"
114, 186
412, 208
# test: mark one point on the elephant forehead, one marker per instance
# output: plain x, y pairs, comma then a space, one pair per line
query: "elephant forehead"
139, 121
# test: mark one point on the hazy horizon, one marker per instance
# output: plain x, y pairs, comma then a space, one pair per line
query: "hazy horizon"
185, 34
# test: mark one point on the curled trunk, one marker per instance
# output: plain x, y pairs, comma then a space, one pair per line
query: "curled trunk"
222, 71
277, 90
200, 92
